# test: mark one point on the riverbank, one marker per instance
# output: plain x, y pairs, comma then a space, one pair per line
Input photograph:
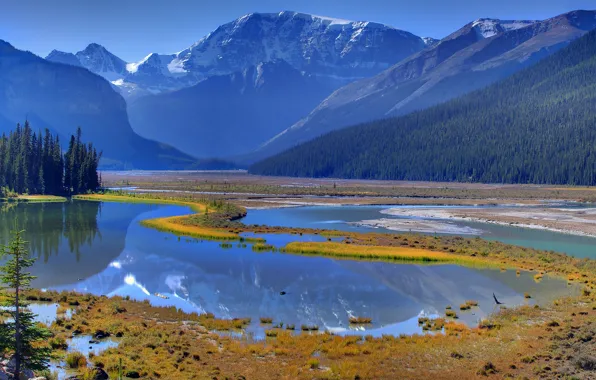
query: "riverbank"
573, 221
154, 342
34, 199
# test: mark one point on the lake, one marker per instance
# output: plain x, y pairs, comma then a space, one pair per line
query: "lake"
101, 248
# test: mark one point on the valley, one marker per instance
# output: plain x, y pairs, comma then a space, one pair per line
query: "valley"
193, 191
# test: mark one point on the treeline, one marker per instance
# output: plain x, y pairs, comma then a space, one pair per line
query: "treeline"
537, 126
32, 162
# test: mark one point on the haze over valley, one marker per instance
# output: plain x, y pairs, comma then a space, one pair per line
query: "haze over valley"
348, 190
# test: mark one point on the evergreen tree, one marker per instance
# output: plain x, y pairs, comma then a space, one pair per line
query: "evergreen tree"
34, 163
20, 335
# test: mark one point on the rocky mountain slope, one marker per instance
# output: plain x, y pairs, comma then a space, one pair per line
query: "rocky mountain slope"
336, 51
480, 53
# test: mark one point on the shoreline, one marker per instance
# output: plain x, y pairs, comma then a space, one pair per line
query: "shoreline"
34, 199
487, 216
418, 226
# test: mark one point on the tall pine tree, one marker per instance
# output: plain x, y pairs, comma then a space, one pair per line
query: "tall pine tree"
20, 334
34, 163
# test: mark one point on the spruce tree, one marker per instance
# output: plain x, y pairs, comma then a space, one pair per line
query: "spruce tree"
34, 163
20, 335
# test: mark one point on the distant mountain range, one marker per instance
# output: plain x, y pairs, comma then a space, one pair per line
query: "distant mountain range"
266, 82
537, 126
478, 54
247, 80
336, 51
63, 97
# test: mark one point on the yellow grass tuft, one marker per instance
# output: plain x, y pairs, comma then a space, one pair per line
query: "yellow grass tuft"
372, 252
360, 320
173, 225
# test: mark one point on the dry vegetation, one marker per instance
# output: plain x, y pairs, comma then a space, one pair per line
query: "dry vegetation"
242, 187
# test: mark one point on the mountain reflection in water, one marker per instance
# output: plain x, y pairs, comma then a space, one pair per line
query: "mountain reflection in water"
102, 249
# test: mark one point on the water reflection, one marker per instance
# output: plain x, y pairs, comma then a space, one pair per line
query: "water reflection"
72, 240
48, 226
102, 249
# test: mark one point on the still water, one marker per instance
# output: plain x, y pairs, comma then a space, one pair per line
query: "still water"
102, 249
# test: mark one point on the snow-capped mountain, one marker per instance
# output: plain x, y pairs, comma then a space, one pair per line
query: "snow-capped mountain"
94, 58
99, 60
487, 27
319, 45
334, 50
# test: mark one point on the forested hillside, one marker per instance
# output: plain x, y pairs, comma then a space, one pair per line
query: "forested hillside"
537, 126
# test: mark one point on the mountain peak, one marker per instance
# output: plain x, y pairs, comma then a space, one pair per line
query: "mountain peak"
292, 15
63, 57
95, 46
5, 44
488, 27
99, 60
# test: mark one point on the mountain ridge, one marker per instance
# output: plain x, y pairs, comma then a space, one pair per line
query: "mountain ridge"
533, 127
461, 62
334, 50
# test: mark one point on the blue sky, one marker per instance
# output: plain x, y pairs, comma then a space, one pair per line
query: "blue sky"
132, 29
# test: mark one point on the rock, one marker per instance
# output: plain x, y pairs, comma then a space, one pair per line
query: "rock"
100, 334
133, 374
8, 370
99, 374
93, 342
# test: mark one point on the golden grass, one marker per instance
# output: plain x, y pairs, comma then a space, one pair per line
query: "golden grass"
178, 225
360, 320
372, 252
450, 313
173, 225
41, 198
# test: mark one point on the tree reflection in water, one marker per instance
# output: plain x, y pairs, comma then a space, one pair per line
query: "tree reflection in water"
47, 224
